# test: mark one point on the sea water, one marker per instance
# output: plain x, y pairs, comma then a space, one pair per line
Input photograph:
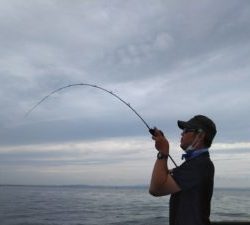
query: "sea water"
85, 205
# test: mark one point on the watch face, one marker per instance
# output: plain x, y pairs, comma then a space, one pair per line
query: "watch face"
161, 156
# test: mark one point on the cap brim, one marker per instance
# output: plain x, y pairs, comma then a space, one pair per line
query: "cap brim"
182, 124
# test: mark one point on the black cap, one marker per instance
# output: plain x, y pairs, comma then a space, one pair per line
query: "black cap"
199, 122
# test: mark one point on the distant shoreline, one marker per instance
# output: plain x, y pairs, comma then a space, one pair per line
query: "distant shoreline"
105, 186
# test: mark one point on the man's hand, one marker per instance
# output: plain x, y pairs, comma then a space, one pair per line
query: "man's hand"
161, 143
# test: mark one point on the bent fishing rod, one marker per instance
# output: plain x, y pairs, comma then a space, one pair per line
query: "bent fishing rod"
151, 130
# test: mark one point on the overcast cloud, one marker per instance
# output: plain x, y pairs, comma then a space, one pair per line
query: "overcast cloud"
169, 59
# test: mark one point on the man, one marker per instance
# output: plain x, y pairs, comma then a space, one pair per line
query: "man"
190, 184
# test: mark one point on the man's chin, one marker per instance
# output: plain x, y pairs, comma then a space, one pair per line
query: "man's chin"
183, 147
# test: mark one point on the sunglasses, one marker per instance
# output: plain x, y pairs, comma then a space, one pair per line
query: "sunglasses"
187, 130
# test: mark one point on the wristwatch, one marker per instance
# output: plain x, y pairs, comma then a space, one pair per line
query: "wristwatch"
161, 156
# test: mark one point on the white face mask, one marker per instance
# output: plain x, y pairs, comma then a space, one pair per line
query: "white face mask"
189, 148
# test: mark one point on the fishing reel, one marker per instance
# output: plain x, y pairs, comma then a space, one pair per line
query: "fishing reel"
152, 131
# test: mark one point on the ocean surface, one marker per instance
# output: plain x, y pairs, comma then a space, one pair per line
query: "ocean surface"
85, 205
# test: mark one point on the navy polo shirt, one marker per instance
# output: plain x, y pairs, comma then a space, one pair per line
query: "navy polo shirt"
191, 206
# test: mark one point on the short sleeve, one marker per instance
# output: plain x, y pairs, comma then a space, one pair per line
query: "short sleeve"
188, 175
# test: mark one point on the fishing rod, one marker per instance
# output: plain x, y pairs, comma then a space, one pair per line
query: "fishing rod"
151, 130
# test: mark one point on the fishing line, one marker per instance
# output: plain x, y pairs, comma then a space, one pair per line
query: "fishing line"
151, 130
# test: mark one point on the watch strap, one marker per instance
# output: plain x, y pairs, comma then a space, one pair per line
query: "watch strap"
161, 156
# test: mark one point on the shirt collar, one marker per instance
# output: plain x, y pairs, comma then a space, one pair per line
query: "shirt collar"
190, 154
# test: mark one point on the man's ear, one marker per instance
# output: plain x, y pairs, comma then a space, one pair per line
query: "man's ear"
200, 136
199, 139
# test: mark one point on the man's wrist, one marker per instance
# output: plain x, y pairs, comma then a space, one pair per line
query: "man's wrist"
161, 155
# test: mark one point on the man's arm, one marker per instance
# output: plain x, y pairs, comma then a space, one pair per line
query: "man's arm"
162, 182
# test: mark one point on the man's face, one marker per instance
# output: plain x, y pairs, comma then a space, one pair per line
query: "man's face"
187, 138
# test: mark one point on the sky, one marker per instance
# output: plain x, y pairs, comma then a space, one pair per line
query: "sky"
170, 60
